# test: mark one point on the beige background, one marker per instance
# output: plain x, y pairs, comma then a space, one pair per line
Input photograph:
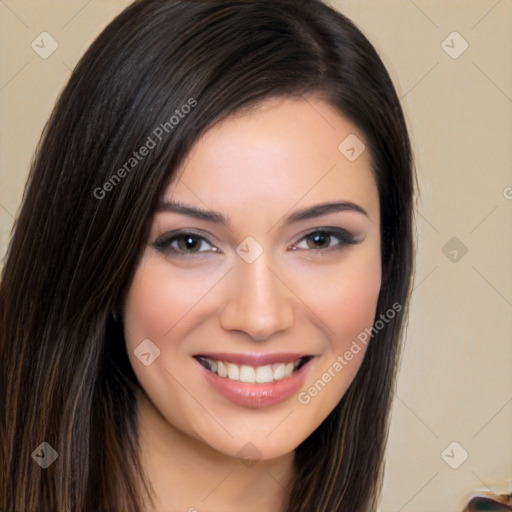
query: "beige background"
455, 383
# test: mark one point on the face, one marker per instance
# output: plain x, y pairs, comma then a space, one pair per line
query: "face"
239, 324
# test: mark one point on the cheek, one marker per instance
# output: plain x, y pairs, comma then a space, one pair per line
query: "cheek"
347, 306
145, 307
155, 308
159, 299
353, 302
345, 296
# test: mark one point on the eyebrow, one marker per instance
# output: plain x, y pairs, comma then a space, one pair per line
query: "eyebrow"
300, 215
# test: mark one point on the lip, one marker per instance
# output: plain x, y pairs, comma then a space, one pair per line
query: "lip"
257, 395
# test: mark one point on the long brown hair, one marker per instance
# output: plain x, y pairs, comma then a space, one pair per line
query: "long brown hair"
66, 378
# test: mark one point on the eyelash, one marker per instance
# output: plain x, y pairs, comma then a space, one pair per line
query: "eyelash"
163, 244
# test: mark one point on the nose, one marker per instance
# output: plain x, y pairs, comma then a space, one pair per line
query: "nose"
258, 302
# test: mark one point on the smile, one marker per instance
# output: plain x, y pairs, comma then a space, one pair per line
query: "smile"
255, 380
252, 374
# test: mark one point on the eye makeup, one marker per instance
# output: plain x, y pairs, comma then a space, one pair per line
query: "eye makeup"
175, 242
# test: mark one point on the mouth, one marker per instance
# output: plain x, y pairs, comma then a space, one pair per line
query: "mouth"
257, 380
252, 374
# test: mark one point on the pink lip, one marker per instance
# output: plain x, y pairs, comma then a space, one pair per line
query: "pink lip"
257, 395
254, 359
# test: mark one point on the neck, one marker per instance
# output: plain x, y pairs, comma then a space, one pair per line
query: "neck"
188, 475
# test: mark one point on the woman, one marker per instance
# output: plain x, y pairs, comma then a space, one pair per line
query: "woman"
205, 290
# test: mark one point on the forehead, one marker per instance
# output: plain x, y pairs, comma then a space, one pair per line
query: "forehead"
281, 153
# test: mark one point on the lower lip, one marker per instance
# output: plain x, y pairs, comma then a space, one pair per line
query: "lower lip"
257, 394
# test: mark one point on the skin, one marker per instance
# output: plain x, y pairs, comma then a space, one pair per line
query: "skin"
257, 168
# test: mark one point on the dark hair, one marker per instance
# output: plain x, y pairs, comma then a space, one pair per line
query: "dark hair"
66, 378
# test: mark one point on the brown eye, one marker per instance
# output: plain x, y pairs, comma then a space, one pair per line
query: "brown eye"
183, 244
189, 243
322, 239
319, 241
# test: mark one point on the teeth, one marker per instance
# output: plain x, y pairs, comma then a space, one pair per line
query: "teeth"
233, 372
279, 371
264, 374
250, 374
247, 374
221, 369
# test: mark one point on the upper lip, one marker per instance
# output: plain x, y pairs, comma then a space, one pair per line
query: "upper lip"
254, 359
